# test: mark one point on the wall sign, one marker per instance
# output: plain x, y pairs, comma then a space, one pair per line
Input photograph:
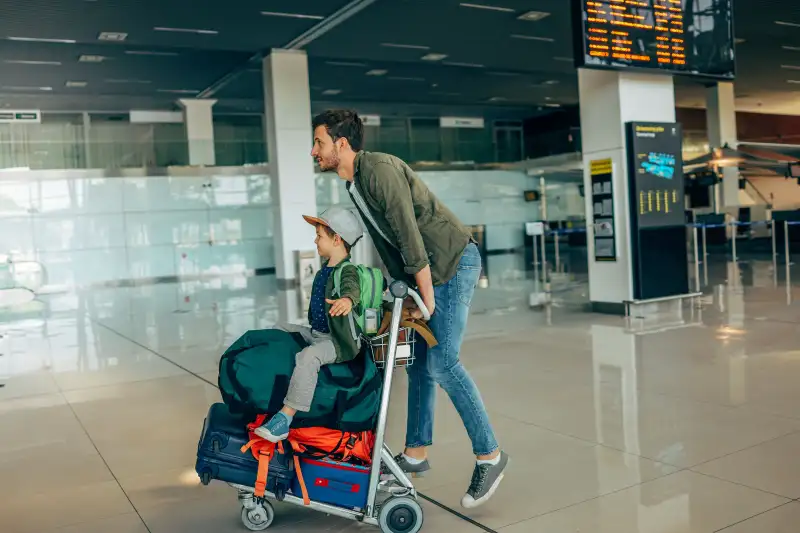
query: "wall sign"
461, 122
371, 120
30, 116
602, 174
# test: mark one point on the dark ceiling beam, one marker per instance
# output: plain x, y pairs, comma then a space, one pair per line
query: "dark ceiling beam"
317, 31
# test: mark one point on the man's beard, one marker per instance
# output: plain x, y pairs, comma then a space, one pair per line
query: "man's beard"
330, 164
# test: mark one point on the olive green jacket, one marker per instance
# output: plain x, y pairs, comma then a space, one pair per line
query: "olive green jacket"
421, 229
347, 347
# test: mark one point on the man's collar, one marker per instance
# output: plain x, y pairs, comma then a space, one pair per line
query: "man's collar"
357, 162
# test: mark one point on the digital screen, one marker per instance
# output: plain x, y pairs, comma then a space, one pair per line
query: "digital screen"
692, 37
655, 171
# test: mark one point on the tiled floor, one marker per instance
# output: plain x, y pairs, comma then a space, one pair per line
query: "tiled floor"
688, 426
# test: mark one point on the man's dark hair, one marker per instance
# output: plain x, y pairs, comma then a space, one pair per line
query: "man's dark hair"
342, 123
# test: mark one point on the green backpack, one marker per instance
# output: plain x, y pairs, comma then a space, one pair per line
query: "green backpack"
254, 376
371, 283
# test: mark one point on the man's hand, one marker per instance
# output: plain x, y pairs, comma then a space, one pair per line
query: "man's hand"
340, 307
425, 289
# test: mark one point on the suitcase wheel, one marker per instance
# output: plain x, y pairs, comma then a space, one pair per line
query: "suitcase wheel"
260, 518
205, 478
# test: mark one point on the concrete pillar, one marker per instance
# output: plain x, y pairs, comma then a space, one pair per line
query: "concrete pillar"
608, 100
289, 139
721, 126
197, 116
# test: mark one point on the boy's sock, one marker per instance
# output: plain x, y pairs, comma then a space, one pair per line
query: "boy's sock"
413, 461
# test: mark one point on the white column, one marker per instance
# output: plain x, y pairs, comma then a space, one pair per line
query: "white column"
197, 116
721, 126
289, 138
609, 99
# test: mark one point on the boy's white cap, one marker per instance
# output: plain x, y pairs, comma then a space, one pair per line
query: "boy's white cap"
342, 221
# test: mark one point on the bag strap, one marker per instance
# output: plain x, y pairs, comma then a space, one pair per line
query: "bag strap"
365, 213
337, 291
301, 480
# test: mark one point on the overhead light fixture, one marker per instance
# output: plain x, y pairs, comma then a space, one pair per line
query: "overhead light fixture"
796, 82
291, 15
178, 91
406, 46
552, 104
533, 16
25, 88
406, 78
38, 40
150, 53
186, 30
28, 62
739, 40
459, 64
377, 72
113, 36
346, 64
790, 24
489, 8
332, 92
92, 59
433, 57
498, 99
550, 82
129, 81
790, 67
791, 48
76, 84
533, 38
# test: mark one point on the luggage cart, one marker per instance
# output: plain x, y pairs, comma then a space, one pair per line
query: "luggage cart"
391, 507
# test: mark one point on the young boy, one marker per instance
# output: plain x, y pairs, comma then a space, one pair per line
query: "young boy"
330, 337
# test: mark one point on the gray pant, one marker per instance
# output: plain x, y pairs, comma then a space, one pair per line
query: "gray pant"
307, 364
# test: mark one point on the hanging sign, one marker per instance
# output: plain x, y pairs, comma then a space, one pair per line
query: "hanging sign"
31, 116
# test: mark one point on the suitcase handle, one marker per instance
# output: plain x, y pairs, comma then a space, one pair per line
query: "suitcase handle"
337, 485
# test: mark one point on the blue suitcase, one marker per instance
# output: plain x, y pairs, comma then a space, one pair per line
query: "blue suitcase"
219, 455
335, 483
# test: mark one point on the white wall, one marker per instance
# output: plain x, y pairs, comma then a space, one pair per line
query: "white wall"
783, 194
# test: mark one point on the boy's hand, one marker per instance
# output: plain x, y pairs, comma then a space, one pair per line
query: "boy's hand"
340, 307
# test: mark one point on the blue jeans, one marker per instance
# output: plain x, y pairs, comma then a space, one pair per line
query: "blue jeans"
441, 364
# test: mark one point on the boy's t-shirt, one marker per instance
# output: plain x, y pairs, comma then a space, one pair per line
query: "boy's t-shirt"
317, 315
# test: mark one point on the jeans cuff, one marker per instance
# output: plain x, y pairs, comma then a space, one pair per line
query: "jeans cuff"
479, 453
419, 445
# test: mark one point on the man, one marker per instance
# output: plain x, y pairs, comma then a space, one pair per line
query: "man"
422, 242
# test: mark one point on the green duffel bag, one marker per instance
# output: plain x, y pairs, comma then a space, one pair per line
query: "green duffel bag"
254, 376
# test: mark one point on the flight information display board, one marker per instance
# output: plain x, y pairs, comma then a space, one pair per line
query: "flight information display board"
655, 174
692, 37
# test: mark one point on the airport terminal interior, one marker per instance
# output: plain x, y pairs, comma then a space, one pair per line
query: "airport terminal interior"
630, 173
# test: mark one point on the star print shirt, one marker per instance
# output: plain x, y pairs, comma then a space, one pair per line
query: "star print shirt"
317, 315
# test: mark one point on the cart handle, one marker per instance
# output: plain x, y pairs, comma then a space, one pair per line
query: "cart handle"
400, 291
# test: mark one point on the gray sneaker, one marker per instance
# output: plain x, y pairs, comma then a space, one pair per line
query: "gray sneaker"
413, 470
485, 480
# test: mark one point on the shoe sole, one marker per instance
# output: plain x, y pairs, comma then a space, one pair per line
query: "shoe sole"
270, 437
492, 490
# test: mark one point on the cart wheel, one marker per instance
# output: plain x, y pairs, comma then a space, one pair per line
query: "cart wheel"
400, 515
260, 518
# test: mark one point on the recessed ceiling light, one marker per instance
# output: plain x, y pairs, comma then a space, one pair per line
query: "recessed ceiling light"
739, 40
25, 88
406, 78
377, 72
459, 64
128, 81
345, 64
150, 53
490, 8
791, 48
38, 40
91, 59
550, 82
791, 24
76, 84
533, 38
408, 46
27, 62
533, 16
433, 57
551, 104
797, 82
178, 91
291, 15
113, 36
790, 67
498, 99
332, 92
186, 30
